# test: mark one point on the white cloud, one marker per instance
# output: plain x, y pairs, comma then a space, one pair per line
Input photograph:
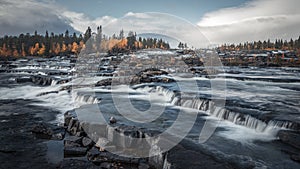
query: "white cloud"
20, 16
80, 21
158, 23
256, 20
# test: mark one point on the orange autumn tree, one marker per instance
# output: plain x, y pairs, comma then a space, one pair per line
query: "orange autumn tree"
74, 48
33, 50
42, 50
52, 44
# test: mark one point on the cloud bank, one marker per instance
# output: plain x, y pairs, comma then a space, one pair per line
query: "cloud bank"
20, 16
255, 20
80, 21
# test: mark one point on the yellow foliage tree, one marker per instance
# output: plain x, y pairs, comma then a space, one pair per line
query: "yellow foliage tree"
42, 50
64, 48
74, 48
122, 43
112, 43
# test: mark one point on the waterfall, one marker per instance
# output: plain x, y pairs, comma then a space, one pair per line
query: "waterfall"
166, 92
81, 99
169, 94
53, 82
249, 121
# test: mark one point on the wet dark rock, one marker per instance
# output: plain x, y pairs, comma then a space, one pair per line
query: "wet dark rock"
45, 93
181, 156
86, 142
70, 151
80, 134
42, 130
108, 157
75, 127
143, 166
23, 79
68, 116
151, 75
63, 81
41, 80
71, 124
295, 157
104, 82
76, 164
73, 139
68, 88
71, 144
105, 165
193, 61
92, 153
112, 120
59, 132
58, 136
290, 137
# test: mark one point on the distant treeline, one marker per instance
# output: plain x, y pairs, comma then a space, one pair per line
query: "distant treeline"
279, 44
67, 44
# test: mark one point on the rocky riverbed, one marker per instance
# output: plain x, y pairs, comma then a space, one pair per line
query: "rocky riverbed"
52, 118
185, 154
25, 131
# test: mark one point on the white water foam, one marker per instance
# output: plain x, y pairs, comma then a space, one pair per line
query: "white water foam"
236, 124
59, 100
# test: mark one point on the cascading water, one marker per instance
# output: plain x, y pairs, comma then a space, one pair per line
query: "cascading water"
208, 106
81, 99
54, 82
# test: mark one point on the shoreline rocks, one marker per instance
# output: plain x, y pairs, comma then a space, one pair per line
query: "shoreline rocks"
101, 153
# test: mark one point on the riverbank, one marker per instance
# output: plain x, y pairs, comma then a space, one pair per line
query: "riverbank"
22, 141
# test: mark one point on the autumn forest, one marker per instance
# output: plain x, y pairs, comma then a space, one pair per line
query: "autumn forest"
71, 44
67, 44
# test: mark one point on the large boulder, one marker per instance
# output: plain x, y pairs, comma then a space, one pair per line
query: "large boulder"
42, 130
73, 147
104, 82
151, 75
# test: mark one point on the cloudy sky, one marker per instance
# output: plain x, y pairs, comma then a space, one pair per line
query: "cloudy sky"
216, 21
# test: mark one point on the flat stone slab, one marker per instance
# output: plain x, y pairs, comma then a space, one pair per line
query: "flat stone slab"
74, 151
